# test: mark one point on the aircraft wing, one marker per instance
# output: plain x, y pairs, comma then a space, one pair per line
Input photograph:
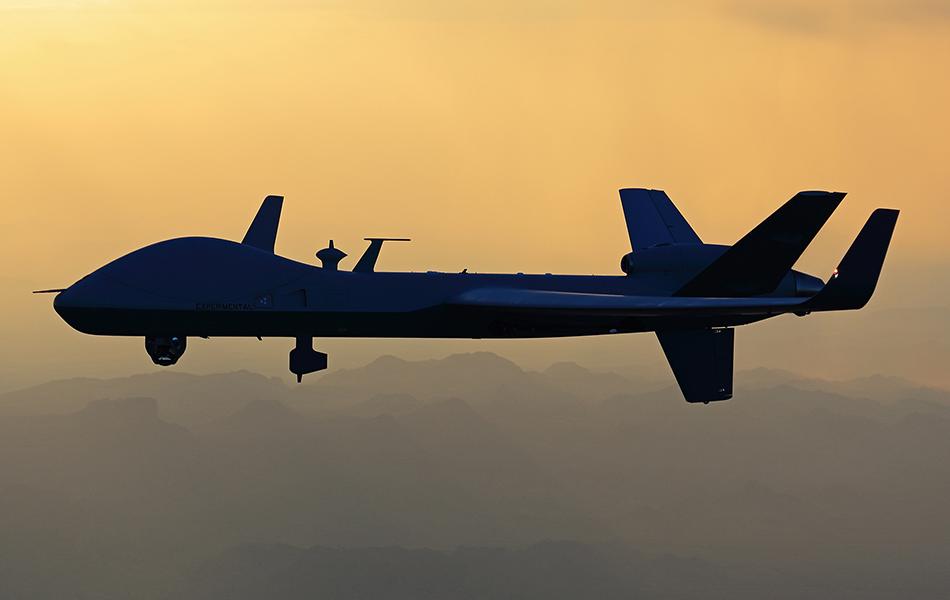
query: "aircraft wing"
757, 263
621, 305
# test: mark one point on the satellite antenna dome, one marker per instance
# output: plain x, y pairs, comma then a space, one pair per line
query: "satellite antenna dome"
331, 257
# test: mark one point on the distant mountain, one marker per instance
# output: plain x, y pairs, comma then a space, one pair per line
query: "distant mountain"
107, 493
176, 393
110, 484
883, 388
548, 571
911, 342
385, 404
116, 450
543, 571
586, 384
474, 375
466, 447
390, 385
479, 378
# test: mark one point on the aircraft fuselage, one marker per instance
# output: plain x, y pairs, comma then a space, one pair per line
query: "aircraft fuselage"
211, 287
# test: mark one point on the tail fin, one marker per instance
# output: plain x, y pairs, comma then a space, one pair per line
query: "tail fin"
853, 282
757, 263
262, 233
653, 220
701, 360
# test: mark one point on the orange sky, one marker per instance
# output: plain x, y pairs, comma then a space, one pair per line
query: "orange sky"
495, 136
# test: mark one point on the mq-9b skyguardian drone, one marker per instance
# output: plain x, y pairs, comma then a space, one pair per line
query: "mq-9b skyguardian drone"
690, 293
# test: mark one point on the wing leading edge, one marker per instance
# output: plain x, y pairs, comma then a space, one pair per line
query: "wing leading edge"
757, 263
619, 305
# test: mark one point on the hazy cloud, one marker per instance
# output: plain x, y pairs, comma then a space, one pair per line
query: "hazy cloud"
810, 16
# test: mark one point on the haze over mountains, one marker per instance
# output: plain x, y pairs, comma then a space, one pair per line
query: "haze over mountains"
909, 342
470, 477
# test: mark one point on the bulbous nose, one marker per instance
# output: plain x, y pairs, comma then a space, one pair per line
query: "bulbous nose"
65, 303
78, 295
80, 301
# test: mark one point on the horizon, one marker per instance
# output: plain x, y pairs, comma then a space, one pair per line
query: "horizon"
642, 375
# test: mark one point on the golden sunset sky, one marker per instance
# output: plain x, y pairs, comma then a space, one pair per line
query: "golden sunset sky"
493, 133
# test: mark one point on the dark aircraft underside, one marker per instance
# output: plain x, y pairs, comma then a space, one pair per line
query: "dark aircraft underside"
437, 322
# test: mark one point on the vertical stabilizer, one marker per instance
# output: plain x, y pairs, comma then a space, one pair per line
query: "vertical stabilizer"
262, 233
853, 282
652, 219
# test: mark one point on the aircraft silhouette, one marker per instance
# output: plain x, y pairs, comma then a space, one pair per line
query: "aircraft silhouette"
690, 293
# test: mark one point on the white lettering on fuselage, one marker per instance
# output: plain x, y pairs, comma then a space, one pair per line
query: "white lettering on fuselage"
223, 306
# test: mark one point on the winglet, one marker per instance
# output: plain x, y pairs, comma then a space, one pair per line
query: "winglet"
263, 230
853, 282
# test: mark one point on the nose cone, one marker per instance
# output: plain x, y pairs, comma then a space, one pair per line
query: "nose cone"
90, 305
65, 300
75, 304
85, 293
